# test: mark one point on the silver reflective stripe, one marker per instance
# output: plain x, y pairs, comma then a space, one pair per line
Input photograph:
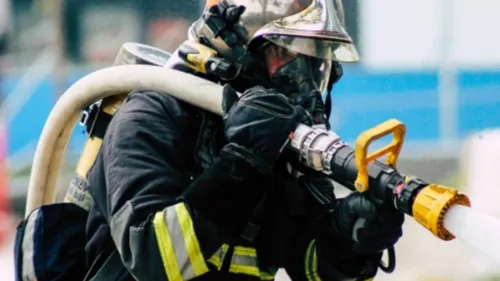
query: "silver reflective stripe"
181, 254
179, 246
217, 259
28, 271
244, 261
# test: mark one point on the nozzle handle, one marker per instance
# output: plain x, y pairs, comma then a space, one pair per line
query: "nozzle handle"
393, 149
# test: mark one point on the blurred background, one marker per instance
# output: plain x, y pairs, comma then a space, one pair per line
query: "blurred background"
432, 64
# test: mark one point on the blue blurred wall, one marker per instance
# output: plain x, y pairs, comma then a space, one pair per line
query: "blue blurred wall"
360, 100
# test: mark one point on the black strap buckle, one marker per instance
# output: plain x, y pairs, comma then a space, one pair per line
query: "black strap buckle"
250, 232
89, 116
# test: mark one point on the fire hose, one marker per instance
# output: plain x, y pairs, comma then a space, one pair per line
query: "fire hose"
319, 149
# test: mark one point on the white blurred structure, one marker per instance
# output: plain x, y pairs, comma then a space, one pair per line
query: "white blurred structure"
480, 169
481, 180
7, 262
409, 34
5, 17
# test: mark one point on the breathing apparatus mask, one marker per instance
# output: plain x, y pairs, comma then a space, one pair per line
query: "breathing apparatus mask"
301, 78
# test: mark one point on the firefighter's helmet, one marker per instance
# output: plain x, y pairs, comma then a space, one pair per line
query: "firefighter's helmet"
311, 27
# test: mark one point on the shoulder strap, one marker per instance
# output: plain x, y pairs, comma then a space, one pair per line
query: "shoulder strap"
253, 226
108, 271
335, 75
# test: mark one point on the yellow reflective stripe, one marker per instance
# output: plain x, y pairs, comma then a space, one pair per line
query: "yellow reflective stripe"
311, 263
244, 261
179, 248
218, 258
315, 264
245, 251
306, 263
216, 261
244, 269
266, 275
191, 242
166, 248
267, 272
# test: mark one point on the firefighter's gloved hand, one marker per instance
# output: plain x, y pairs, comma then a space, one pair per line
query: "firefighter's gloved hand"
368, 228
258, 125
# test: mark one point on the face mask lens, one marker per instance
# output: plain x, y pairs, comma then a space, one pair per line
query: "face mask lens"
297, 74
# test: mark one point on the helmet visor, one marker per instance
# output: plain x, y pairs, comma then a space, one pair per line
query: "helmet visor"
317, 31
319, 48
293, 73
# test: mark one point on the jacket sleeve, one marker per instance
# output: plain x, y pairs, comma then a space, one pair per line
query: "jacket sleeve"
145, 157
320, 257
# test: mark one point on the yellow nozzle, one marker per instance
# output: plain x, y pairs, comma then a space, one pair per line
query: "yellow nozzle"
432, 203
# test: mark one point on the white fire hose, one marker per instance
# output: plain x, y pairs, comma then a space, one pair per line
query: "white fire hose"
93, 87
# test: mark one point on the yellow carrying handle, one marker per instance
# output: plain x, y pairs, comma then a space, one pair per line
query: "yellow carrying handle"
196, 55
393, 149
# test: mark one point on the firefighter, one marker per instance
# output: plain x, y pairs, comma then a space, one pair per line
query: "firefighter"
182, 194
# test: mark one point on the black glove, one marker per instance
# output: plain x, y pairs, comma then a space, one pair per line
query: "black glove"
258, 125
367, 227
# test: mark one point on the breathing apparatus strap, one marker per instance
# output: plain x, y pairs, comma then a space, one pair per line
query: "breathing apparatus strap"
253, 227
335, 75
95, 121
328, 103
